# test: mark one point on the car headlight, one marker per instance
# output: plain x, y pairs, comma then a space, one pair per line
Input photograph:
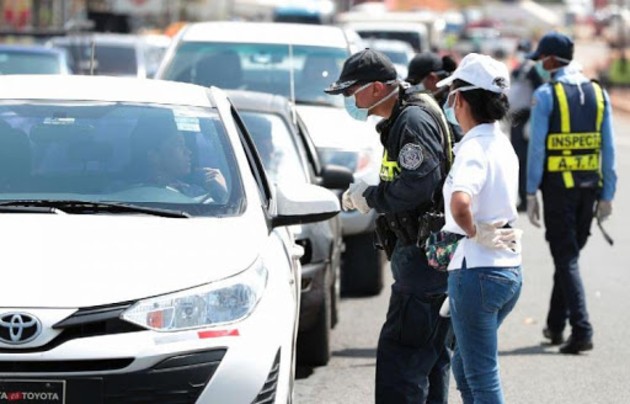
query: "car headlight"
226, 301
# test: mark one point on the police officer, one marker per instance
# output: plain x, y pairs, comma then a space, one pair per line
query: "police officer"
412, 361
571, 159
424, 72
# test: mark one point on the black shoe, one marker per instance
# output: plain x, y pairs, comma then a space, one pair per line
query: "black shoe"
555, 338
575, 346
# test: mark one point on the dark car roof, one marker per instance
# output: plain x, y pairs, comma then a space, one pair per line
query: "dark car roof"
43, 50
260, 102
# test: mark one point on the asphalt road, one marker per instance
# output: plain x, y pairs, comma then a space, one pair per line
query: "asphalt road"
531, 372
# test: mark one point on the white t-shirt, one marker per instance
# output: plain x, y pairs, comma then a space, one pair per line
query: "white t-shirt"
486, 168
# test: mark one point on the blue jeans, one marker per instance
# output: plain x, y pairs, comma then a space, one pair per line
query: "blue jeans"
480, 299
412, 359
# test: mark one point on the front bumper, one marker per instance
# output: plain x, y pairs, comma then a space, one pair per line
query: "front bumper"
177, 379
100, 362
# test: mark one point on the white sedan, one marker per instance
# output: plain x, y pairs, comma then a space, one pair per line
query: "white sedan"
146, 257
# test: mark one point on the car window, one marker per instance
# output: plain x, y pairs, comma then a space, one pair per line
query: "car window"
165, 156
29, 63
109, 59
260, 67
276, 147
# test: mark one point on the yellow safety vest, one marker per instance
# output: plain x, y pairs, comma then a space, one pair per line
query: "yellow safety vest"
572, 151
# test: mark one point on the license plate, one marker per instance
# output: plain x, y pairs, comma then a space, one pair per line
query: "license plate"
32, 391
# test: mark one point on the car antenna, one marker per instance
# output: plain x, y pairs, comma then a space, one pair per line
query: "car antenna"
92, 56
292, 84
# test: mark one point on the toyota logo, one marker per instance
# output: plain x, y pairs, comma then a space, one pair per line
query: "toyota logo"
19, 328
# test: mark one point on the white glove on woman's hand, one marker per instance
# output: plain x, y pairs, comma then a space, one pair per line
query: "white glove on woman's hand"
493, 235
533, 210
355, 192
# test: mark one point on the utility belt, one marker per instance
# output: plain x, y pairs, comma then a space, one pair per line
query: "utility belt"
408, 228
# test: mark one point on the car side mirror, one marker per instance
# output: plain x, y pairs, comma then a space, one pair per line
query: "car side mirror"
303, 203
336, 177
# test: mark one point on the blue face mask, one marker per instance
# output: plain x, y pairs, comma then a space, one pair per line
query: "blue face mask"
360, 114
420, 88
449, 112
544, 74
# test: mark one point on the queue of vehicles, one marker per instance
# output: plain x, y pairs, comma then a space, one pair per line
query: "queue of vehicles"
171, 294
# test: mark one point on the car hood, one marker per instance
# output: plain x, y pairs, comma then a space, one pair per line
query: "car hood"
88, 260
333, 128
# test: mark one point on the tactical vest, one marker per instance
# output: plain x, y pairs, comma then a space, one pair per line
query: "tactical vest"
573, 143
390, 168
407, 225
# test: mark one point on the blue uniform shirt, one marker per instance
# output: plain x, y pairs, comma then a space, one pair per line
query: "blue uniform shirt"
541, 111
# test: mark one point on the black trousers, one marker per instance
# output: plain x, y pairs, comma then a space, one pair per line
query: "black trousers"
413, 361
568, 214
520, 144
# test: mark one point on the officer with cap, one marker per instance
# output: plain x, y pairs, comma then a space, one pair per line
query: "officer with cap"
424, 71
412, 363
571, 159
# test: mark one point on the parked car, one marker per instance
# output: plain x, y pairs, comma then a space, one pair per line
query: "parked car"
114, 54
289, 157
296, 61
32, 60
145, 281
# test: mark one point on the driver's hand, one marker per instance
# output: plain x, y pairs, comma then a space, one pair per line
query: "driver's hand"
213, 178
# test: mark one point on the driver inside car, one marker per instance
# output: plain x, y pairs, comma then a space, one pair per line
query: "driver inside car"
162, 159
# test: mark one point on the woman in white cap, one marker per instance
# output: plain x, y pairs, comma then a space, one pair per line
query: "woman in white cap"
480, 195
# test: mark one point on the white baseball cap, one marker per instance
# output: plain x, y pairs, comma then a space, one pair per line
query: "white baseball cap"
481, 71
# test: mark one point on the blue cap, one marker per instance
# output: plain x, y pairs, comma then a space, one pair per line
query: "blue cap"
556, 44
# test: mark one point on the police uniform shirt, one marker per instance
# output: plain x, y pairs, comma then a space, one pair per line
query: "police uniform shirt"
543, 101
486, 168
413, 146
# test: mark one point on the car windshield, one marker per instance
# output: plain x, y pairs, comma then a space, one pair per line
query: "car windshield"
276, 147
166, 157
29, 63
112, 60
261, 67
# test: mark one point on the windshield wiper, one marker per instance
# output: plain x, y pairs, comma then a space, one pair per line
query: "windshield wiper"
70, 206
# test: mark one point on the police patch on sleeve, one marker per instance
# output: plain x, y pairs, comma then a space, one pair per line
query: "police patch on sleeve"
410, 156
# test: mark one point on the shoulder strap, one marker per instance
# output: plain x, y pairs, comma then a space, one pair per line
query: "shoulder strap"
428, 104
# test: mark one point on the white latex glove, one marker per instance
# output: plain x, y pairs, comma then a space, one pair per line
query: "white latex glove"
445, 309
493, 235
533, 210
604, 210
346, 202
355, 192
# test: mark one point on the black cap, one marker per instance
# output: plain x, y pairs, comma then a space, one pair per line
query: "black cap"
423, 64
556, 44
364, 67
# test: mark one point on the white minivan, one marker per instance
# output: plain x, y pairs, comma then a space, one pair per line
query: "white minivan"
297, 61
